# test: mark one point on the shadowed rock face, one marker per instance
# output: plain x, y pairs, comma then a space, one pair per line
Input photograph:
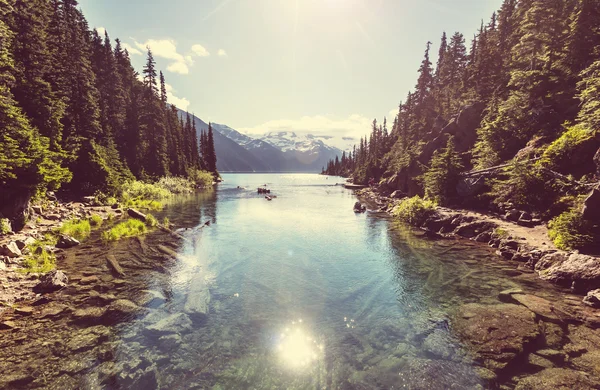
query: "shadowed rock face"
557, 378
579, 272
496, 334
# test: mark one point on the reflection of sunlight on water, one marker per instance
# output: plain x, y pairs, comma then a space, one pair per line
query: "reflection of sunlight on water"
296, 348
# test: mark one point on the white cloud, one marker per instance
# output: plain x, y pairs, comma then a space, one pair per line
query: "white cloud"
200, 51
392, 115
101, 31
345, 132
222, 53
178, 67
167, 48
181, 103
130, 49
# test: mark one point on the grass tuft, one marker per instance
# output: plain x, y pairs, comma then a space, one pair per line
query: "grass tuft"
96, 220
77, 228
130, 228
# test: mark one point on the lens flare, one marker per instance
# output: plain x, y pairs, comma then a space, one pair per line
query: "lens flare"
297, 349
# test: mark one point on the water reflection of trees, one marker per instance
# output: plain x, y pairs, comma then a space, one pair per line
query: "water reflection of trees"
192, 210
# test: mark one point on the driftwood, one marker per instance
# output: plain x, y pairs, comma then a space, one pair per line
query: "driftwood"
167, 251
114, 265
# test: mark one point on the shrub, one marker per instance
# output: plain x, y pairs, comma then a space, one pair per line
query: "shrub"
96, 220
415, 210
201, 178
5, 226
139, 190
176, 185
144, 204
563, 152
129, 228
151, 221
570, 231
39, 259
76, 228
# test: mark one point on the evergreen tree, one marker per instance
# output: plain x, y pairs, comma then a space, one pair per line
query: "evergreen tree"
441, 178
211, 156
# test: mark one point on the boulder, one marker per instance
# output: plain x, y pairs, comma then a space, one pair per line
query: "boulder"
591, 206
52, 281
483, 237
14, 205
133, 213
176, 323
472, 229
24, 242
66, 242
495, 334
11, 250
397, 195
88, 199
557, 378
52, 217
548, 260
198, 298
513, 215
359, 208
579, 272
592, 298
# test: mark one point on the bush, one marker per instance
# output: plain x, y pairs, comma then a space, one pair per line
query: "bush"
151, 221
139, 190
76, 228
570, 231
201, 178
565, 154
129, 228
415, 210
96, 220
5, 226
176, 185
40, 260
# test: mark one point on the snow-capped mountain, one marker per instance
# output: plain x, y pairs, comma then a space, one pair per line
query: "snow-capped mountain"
272, 152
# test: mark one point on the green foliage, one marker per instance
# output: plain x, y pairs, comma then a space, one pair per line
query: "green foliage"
441, 178
570, 231
561, 151
415, 210
4, 226
39, 259
139, 190
130, 228
96, 220
203, 179
500, 233
527, 186
137, 203
76, 228
166, 222
176, 185
151, 221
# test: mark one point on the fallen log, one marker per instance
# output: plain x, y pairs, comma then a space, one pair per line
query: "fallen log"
113, 264
167, 251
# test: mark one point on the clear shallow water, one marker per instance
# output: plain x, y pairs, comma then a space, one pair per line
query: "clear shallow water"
304, 294
307, 294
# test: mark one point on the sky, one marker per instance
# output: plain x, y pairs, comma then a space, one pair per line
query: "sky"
316, 66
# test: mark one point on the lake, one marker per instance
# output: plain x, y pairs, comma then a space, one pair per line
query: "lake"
297, 293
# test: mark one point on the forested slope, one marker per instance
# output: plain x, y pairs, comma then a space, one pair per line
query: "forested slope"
74, 113
526, 93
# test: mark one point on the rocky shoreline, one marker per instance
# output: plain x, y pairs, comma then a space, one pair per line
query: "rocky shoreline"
529, 339
17, 286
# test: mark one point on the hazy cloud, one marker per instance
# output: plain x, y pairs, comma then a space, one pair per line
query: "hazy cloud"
178, 67
101, 31
222, 53
200, 51
181, 103
130, 49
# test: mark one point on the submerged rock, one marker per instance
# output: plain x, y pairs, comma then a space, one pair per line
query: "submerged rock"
176, 323
557, 378
52, 281
495, 334
198, 299
359, 208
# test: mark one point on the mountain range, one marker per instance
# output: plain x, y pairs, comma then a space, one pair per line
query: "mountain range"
273, 152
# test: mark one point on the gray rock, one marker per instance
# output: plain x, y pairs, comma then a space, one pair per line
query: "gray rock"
198, 298
176, 323
88, 199
506, 295
121, 308
150, 298
169, 342
592, 298
580, 272
11, 250
557, 378
25, 242
52, 281
66, 242
37, 209
52, 217
513, 215
591, 206
89, 315
397, 195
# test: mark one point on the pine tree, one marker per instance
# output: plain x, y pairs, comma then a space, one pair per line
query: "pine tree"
441, 178
211, 158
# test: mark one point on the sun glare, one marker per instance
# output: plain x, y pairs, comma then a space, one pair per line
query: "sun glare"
297, 349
